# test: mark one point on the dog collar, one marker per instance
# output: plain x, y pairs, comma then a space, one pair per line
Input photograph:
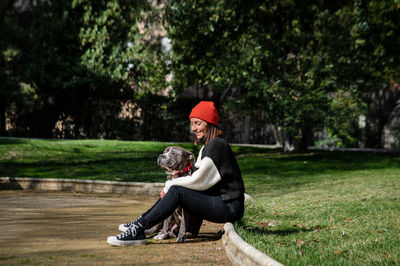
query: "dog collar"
186, 169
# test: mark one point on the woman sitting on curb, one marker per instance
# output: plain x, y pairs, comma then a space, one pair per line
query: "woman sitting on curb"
214, 191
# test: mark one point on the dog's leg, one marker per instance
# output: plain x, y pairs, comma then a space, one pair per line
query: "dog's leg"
154, 229
163, 234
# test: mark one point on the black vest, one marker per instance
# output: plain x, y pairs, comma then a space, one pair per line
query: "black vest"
231, 185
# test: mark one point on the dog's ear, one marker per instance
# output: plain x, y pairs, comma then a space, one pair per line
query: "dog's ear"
191, 157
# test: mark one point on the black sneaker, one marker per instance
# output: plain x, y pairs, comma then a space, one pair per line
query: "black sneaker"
132, 236
124, 227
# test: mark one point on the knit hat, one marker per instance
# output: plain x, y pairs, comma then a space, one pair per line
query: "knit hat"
205, 111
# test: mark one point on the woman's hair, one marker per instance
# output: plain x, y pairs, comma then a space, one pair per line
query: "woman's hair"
212, 131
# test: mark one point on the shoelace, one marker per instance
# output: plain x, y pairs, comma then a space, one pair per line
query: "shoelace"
130, 231
129, 224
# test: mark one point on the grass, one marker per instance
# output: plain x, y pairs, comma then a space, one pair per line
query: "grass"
334, 208
82, 159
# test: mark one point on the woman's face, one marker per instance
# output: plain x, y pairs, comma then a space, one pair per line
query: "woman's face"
198, 127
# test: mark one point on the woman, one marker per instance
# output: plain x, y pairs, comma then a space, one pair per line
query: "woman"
214, 191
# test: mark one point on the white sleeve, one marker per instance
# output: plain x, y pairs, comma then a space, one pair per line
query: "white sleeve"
203, 178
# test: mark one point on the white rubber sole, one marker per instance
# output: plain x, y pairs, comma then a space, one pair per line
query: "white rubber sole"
112, 240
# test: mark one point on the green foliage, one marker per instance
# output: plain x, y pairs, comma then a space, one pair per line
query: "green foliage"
104, 30
113, 39
374, 29
79, 57
292, 60
343, 120
285, 57
270, 51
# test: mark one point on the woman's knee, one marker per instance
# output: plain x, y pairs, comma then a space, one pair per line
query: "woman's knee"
174, 189
183, 195
177, 191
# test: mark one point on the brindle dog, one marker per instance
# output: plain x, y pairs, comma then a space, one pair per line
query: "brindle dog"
178, 162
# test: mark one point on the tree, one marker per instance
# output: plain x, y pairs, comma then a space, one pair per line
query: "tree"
287, 58
272, 52
78, 60
374, 54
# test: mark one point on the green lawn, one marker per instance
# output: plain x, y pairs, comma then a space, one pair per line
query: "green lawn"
336, 208
323, 207
82, 159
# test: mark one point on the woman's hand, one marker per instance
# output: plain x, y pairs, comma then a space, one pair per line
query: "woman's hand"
162, 193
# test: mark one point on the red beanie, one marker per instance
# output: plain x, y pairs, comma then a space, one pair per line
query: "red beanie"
205, 111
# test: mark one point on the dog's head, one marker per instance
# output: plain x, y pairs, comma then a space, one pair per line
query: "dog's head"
175, 159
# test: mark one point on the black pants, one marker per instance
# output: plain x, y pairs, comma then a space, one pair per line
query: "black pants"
211, 208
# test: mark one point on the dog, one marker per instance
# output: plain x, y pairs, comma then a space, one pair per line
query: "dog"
178, 162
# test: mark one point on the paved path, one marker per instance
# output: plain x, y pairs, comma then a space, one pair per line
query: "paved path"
59, 228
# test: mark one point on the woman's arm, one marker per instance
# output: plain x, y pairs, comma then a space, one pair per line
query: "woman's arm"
203, 178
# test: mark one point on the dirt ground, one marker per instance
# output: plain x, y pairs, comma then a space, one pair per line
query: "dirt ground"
59, 228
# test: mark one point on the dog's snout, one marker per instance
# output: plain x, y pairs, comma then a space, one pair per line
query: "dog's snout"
160, 158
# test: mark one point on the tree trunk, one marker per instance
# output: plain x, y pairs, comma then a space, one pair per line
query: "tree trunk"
289, 143
380, 105
282, 139
2, 119
305, 139
391, 132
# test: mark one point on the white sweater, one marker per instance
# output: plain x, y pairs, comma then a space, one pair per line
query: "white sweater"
206, 176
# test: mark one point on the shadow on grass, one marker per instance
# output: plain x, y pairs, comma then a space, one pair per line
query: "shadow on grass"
266, 170
279, 232
252, 150
11, 141
287, 165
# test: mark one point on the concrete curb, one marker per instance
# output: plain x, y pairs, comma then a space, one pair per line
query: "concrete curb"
76, 185
237, 250
240, 252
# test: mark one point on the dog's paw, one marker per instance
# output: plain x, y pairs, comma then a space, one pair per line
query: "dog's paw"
181, 239
161, 236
